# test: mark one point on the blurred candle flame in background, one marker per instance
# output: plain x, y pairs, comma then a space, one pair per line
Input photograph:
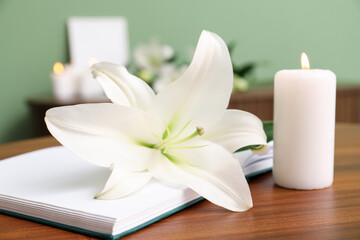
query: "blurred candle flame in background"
58, 68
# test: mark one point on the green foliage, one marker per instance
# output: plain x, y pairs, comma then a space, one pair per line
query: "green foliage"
244, 69
269, 130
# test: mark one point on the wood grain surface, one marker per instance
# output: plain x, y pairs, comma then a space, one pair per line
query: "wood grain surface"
278, 213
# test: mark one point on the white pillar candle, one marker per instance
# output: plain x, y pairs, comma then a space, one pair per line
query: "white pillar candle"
304, 126
89, 88
64, 82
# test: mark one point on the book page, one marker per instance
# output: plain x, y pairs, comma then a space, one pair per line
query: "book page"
56, 177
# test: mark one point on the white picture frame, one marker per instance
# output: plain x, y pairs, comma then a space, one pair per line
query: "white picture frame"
98, 39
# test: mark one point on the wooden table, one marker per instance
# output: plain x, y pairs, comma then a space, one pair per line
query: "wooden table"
331, 213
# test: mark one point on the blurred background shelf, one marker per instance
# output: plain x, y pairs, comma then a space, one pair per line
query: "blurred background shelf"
39, 105
258, 100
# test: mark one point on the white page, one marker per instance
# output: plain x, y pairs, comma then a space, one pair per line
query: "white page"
252, 163
57, 177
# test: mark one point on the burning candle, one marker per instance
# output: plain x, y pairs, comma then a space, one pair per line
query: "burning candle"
64, 82
304, 126
89, 88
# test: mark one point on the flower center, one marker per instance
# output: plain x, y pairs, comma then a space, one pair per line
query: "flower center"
169, 142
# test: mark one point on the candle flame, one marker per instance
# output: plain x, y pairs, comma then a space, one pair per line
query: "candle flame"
305, 64
58, 68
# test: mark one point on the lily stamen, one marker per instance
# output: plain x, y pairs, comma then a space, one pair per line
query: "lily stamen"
193, 135
156, 136
184, 147
167, 131
181, 131
164, 141
198, 132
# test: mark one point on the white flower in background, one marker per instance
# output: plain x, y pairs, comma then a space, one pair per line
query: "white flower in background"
146, 75
152, 56
168, 73
240, 84
184, 135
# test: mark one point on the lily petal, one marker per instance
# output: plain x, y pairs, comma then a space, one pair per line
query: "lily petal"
121, 87
123, 183
202, 93
211, 171
264, 149
104, 133
237, 129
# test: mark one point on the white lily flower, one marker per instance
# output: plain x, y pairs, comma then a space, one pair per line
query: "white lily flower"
240, 84
152, 56
184, 135
167, 74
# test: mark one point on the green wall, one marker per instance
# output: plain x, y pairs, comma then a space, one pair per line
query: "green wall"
33, 37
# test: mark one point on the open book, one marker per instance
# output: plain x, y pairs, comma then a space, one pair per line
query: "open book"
253, 164
54, 187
